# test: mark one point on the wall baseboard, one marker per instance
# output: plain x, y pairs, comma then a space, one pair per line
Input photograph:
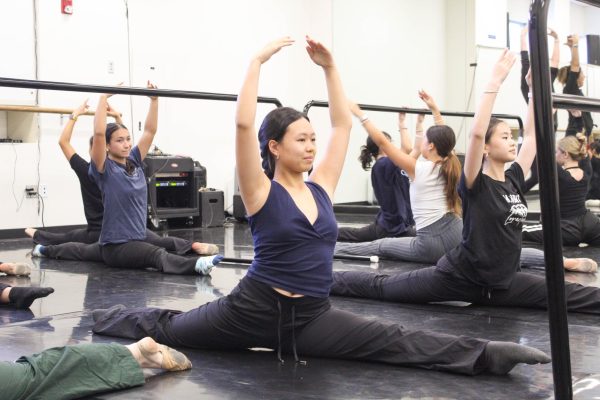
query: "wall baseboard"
20, 233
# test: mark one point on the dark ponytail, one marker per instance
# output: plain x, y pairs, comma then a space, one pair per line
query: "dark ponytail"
274, 127
370, 151
444, 140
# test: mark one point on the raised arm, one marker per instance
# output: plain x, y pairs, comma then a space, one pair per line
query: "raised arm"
398, 157
527, 151
328, 171
555, 58
254, 184
432, 105
65, 137
98, 152
150, 126
573, 43
475, 148
405, 144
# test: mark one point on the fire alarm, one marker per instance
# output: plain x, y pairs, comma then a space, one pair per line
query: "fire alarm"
66, 6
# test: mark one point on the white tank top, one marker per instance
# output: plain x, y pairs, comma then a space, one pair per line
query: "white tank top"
427, 198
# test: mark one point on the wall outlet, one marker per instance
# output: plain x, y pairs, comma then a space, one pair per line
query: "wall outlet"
31, 191
43, 190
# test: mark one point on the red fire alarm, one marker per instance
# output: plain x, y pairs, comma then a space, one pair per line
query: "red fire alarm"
66, 6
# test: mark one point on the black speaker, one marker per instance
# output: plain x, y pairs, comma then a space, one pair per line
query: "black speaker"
239, 210
212, 212
593, 49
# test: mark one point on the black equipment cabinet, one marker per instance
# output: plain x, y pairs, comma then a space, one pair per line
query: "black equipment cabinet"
173, 184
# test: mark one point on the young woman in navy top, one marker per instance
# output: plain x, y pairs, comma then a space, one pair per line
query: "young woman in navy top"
577, 223
82, 244
390, 186
282, 303
484, 267
117, 169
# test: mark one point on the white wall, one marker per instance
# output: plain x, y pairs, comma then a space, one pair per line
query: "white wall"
386, 51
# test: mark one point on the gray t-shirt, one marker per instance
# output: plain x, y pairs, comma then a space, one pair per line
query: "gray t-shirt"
125, 198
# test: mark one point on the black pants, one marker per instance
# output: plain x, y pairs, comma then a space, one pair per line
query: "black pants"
77, 235
369, 233
139, 255
585, 228
254, 315
434, 284
91, 252
3, 286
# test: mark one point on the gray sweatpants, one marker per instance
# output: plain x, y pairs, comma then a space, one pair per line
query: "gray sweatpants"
430, 244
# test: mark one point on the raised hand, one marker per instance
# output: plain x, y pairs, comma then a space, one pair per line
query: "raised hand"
502, 68
319, 53
82, 109
151, 85
553, 33
273, 47
428, 100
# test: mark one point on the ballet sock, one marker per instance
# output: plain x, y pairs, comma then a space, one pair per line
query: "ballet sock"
205, 264
22, 297
500, 357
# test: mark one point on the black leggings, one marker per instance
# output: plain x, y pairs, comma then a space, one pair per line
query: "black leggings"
434, 284
585, 228
255, 315
77, 235
91, 252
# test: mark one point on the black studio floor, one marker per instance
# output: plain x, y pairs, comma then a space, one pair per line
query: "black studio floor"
64, 318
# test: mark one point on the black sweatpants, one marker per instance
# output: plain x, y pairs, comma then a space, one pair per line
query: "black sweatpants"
91, 252
434, 284
3, 286
82, 235
138, 255
585, 228
368, 233
254, 315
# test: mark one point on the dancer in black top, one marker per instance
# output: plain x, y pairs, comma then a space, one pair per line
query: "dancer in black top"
572, 77
577, 223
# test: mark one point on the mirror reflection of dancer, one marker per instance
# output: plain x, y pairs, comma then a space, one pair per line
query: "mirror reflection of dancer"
390, 187
116, 168
282, 302
81, 244
484, 268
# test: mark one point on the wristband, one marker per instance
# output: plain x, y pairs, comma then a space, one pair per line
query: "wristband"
364, 118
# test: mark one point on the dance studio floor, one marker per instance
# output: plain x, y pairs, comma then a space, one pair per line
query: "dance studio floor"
64, 318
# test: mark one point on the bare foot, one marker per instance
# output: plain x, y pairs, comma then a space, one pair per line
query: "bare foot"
15, 269
581, 265
207, 249
30, 232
